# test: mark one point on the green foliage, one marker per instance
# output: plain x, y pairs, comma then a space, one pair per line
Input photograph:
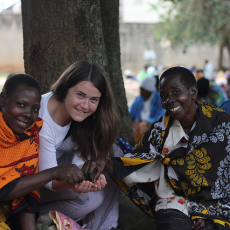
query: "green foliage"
185, 22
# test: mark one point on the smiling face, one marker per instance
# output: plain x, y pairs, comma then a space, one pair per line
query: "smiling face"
178, 100
20, 109
82, 100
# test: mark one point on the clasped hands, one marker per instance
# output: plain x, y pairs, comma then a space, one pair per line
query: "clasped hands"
81, 180
87, 186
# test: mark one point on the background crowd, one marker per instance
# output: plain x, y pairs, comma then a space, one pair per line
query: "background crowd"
213, 88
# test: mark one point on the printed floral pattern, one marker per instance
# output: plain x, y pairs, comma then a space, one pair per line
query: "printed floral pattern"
34, 134
179, 161
26, 170
132, 192
34, 137
175, 202
208, 108
220, 211
198, 163
154, 145
181, 201
222, 187
156, 136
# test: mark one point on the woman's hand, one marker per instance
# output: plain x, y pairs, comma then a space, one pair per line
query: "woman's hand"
69, 173
84, 187
92, 169
87, 186
198, 224
99, 184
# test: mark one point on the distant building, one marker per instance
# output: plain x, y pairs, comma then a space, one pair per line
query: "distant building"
137, 21
138, 11
14, 9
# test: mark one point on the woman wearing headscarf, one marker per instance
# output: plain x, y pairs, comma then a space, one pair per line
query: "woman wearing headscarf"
146, 108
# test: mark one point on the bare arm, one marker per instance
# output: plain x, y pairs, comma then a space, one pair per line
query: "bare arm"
27, 221
67, 173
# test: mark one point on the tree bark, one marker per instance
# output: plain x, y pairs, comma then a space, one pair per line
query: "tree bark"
227, 45
110, 25
220, 55
224, 43
58, 33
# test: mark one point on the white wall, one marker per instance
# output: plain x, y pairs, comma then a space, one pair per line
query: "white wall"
11, 38
138, 11
135, 38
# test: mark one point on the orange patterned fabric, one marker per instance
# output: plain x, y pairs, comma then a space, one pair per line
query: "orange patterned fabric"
18, 158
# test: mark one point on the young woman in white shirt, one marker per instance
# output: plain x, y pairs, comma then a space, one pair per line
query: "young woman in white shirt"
80, 122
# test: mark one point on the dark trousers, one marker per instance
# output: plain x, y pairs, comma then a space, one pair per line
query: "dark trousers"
172, 219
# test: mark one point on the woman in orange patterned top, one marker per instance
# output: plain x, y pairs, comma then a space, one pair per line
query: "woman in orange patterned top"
19, 147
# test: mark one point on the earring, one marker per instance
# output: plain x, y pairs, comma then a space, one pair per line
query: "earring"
63, 103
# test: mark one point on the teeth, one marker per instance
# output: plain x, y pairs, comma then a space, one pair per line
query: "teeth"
23, 123
175, 109
80, 111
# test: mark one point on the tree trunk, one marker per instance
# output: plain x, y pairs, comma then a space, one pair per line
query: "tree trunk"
227, 45
58, 33
220, 55
110, 24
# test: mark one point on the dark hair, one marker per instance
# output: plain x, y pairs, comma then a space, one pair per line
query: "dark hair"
186, 76
200, 71
203, 87
95, 134
15, 80
157, 82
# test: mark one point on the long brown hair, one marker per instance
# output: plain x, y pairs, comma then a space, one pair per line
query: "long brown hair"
95, 135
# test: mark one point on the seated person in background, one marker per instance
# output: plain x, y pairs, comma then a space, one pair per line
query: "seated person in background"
129, 74
225, 106
222, 82
19, 147
208, 70
143, 73
199, 74
146, 108
209, 93
180, 169
153, 72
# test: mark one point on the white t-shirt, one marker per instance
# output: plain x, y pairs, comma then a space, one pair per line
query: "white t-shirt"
51, 140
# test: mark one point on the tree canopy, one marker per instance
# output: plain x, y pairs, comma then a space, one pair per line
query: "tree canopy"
185, 22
